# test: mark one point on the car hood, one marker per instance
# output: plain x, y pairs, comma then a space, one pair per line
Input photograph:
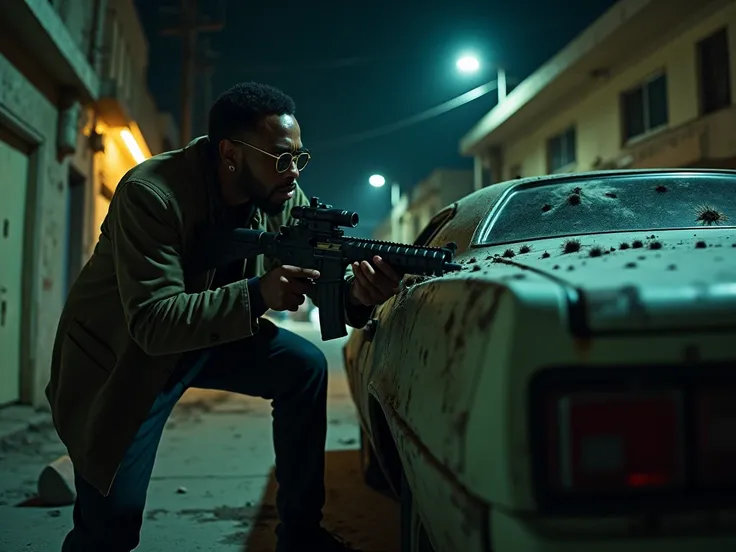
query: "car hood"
626, 281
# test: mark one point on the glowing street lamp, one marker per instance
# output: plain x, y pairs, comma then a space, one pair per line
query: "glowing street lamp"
376, 180
469, 64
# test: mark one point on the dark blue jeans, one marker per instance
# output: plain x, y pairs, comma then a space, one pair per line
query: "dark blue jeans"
274, 364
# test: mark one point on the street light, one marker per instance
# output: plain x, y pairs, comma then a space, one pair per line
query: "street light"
468, 64
471, 64
378, 181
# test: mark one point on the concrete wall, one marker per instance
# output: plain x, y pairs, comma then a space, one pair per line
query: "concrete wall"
24, 101
597, 116
33, 100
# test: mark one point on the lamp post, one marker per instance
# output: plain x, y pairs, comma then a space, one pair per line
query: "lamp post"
378, 181
470, 64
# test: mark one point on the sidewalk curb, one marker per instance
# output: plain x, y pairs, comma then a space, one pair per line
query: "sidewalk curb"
16, 420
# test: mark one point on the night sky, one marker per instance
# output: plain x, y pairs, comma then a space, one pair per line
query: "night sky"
352, 67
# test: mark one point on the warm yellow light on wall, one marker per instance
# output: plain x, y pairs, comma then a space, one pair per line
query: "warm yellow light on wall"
132, 145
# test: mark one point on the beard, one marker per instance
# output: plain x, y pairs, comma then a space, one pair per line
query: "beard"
260, 195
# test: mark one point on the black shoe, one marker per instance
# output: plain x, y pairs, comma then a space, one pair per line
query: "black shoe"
319, 541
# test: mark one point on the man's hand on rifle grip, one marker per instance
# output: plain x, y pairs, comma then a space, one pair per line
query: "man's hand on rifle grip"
284, 287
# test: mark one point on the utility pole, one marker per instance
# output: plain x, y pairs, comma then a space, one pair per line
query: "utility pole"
207, 68
190, 26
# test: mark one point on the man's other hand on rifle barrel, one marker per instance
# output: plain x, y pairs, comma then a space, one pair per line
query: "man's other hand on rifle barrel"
373, 285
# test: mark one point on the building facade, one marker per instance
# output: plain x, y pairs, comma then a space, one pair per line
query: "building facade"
441, 188
650, 84
61, 150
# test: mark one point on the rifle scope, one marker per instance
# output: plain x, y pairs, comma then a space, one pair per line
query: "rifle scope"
335, 217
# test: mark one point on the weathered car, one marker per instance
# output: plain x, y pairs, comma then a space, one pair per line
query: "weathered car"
573, 388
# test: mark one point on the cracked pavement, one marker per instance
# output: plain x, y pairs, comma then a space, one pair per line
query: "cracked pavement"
212, 487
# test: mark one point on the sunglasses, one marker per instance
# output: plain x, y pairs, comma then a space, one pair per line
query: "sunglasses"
283, 161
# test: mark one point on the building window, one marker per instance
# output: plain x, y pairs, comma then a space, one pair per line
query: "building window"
645, 107
715, 72
561, 151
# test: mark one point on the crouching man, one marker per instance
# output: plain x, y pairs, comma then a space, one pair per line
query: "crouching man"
137, 329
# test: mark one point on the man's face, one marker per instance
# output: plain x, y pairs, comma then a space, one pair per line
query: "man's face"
256, 172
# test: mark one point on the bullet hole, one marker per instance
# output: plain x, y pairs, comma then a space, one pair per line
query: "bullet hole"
641, 257
624, 246
489, 257
655, 245
509, 253
611, 195
637, 244
577, 191
596, 251
556, 267
546, 207
661, 189
700, 244
525, 249
733, 245
571, 246
570, 268
606, 252
545, 255
652, 237
476, 268
518, 276
671, 267
630, 265
708, 216
612, 249
574, 199
473, 260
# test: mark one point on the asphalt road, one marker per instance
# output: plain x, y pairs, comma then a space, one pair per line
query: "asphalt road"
213, 487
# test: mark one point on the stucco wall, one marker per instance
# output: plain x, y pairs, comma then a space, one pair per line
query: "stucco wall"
597, 116
47, 201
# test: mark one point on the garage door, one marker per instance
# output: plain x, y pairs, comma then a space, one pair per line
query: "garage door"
13, 184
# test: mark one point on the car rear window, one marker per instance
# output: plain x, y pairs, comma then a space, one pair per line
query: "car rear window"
616, 203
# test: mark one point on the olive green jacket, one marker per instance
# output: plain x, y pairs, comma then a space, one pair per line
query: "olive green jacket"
134, 310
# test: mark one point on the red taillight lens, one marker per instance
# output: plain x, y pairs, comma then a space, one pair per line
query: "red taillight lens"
715, 415
615, 441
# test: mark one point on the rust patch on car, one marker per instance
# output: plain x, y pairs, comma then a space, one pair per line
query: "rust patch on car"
571, 246
486, 319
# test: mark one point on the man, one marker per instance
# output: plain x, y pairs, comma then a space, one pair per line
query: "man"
138, 329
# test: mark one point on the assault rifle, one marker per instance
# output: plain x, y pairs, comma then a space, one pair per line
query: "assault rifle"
316, 241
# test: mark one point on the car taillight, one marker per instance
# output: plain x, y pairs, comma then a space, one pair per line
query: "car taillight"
615, 441
715, 415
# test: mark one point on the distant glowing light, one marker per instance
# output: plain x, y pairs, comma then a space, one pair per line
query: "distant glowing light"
468, 64
376, 181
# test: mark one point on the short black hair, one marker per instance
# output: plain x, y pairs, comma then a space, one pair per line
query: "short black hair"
241, 107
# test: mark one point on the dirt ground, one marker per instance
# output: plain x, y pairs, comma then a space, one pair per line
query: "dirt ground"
213, 487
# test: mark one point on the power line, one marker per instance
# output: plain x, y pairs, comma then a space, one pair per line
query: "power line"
430, 113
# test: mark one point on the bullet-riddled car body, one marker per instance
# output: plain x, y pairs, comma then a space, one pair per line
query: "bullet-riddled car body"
573, 388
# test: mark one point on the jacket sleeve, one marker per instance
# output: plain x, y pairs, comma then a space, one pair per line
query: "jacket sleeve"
356, 316
147, 248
